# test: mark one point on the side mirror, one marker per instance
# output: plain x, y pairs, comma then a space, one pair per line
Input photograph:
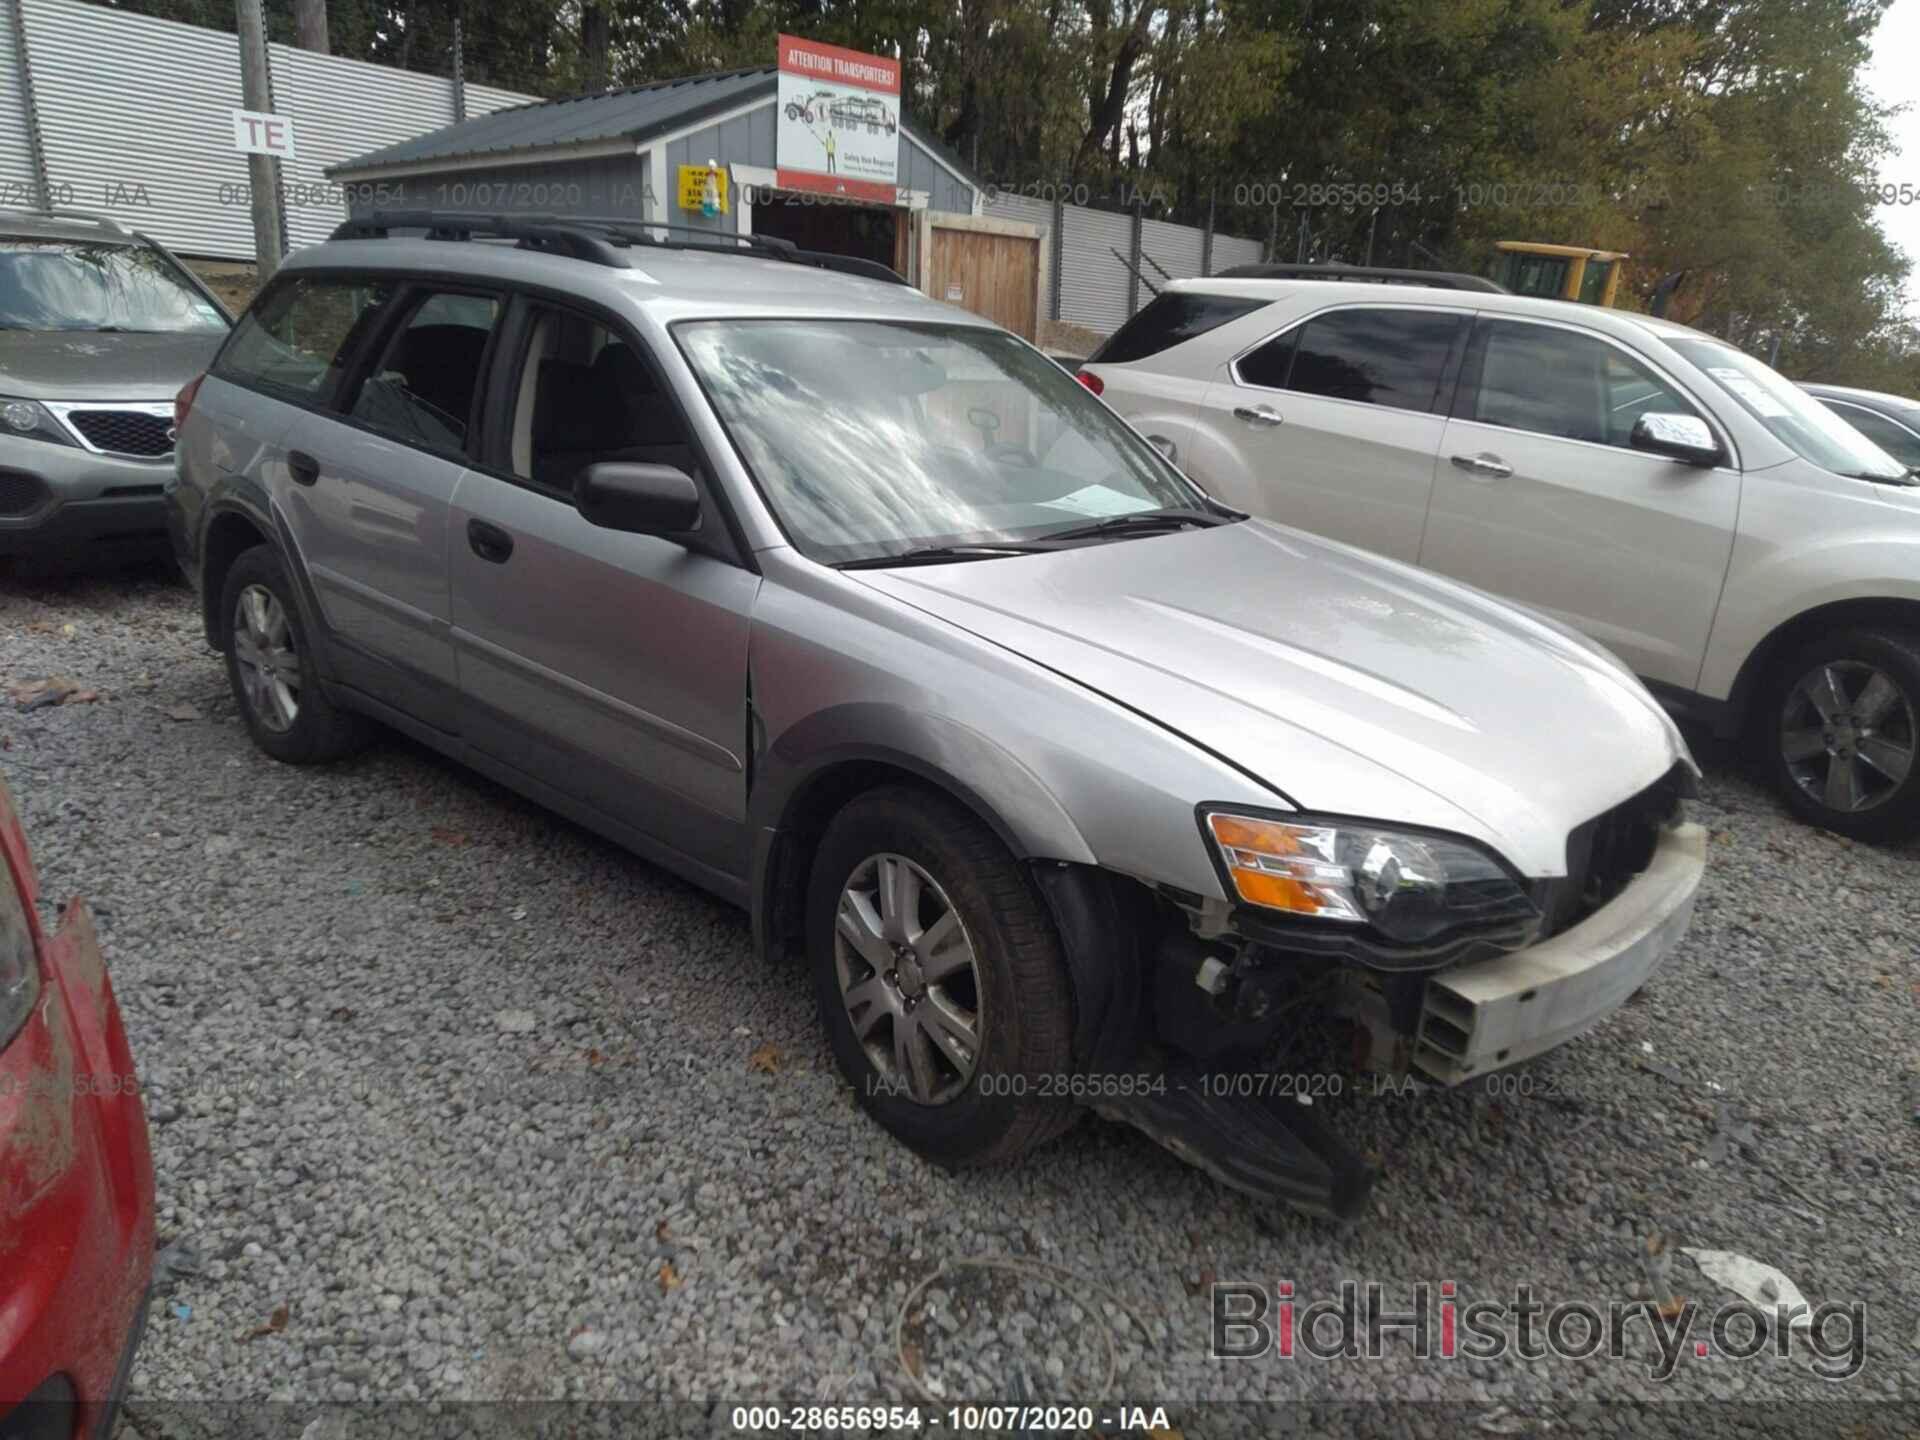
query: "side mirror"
640, 499
1679, 437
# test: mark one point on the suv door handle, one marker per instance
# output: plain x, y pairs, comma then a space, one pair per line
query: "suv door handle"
1257, 414
1484, 466
489, 542
302, 467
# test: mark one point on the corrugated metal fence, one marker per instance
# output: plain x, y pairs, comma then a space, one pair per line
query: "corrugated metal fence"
1092, 263
134, 115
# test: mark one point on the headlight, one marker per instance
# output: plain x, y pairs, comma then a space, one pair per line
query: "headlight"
1411, 888
30, 420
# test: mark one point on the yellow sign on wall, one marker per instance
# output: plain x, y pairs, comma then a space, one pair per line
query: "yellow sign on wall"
703, 188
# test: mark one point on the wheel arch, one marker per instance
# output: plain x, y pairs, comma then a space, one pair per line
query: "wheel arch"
792, 812
1882, 612
231, 531
1105, 923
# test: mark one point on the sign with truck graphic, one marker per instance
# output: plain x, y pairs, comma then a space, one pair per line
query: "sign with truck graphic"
837, 129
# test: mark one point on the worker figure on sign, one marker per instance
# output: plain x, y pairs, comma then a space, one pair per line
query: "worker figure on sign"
831, 147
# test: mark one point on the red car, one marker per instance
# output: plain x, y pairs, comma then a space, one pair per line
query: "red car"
76, 1176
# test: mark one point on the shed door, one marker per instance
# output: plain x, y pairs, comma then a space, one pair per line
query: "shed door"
996, 276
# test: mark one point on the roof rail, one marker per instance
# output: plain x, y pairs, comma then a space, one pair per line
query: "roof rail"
599, 240
1363, 274
533, 232
77, 217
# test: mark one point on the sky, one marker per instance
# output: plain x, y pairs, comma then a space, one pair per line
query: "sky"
1894, 77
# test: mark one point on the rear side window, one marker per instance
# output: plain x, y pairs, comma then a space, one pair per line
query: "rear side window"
1172, 319
299, 337
422, 389
1378, 357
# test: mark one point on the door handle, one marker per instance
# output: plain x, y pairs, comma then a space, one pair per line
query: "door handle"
302, 467
1166, 447
1483, 466
1257, 414
489, 542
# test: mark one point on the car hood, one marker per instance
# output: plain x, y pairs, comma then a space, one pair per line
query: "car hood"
91, 365
1348, 683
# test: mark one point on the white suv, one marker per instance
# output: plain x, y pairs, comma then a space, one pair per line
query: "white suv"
1751, 556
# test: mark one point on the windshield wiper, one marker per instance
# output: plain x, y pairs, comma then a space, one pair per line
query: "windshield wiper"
1171, 517
941, 555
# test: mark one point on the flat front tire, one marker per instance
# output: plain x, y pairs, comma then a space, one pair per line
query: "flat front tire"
1840, 730
939, 979
270, 666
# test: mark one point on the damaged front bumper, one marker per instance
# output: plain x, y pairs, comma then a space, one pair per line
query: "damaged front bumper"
1495, 1013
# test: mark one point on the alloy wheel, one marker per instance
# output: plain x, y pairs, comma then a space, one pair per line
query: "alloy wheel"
909, 978
269, 665
1847, 734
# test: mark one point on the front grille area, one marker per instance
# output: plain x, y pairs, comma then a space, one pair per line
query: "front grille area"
20, 494
124, 432
1605, 854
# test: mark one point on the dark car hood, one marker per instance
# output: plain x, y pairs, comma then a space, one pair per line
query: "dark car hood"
91, 365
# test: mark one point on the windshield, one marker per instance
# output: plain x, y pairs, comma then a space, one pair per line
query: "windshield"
872, 438
1794, 417
76, 285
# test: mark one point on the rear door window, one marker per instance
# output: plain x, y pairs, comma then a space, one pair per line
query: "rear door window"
423, 387
299, 338
1381, 356
1172, 319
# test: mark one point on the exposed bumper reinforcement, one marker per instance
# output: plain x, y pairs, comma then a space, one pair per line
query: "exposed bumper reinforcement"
1496, 1013
1270, 1146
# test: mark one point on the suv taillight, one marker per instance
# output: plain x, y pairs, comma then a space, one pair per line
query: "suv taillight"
1092, 381
183, 402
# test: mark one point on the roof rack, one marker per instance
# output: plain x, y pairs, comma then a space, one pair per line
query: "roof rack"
600, 240
76, 217
1363, 274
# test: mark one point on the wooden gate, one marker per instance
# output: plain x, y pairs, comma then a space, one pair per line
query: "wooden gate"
991, 267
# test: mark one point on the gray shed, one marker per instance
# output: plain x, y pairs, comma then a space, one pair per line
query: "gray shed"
619, 154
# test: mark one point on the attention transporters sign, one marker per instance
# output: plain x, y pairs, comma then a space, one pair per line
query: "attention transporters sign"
837, 130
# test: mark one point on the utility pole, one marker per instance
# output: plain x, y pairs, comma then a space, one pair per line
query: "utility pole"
310, 25
459, 73
255, 94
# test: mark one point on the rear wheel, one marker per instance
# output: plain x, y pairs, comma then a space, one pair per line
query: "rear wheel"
1841, 728
939, 979
270, 666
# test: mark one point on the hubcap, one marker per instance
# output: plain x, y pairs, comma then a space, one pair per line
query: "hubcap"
269, 666
909, 978
1847, 734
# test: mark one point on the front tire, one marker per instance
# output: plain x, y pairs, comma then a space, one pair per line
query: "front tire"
1840, 729
270, 664
939, 979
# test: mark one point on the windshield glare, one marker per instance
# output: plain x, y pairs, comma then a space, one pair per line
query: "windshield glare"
73, 285
872, 438
1794, 417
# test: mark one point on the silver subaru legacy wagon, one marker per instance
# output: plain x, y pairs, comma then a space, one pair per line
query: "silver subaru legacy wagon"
1073, 787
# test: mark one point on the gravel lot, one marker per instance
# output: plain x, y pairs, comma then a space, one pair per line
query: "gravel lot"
453, 1100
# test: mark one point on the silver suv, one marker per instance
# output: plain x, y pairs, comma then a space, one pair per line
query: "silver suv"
1072, 786
1747, 551
99, 327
